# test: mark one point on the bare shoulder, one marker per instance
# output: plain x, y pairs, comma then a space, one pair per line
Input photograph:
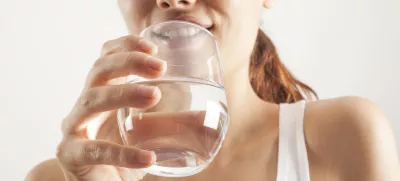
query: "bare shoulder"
352, 136
49, 170
343, 112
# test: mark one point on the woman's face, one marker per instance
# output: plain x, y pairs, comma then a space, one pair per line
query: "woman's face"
234, 23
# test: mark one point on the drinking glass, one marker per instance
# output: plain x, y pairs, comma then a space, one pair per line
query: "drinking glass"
188, 125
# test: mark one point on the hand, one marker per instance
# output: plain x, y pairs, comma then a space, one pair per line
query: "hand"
83, 159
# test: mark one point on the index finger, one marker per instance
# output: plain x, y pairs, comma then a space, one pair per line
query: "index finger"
128, 44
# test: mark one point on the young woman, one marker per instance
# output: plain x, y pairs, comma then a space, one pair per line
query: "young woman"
274, 133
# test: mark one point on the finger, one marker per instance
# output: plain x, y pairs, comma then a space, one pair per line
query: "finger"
124, 64
107, 98
79, 152
127, 44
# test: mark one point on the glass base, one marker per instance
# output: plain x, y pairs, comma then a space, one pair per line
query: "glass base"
174, 172
176, 163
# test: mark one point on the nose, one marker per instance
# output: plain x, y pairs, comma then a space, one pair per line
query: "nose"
177, 4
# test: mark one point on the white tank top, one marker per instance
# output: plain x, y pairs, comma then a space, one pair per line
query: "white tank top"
292, 151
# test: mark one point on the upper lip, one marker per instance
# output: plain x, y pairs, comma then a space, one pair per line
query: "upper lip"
201, 22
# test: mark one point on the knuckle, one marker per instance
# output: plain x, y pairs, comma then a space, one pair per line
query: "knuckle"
129, 95
93, 73
97, 75
87, 100
99, 61
106, 45
131, 60
122, 44
128, 59
121, 157
140, 40
65, 127
128, 43
112, 154
62, 153
91, 153
124, 155
125, 94
121, 92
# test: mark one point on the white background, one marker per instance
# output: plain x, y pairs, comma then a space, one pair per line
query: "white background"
339, 47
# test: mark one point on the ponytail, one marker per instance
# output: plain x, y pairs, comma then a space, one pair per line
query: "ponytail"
270, 79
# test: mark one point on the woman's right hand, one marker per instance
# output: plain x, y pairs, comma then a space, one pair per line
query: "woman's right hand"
84, 159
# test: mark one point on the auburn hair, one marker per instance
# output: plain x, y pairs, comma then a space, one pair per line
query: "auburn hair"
269, 77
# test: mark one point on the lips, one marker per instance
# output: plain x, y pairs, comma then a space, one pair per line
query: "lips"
204, 23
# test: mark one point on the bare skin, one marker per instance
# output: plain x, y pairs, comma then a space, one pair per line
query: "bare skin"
347, 138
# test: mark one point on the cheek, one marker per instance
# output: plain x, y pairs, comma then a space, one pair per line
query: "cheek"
135, 13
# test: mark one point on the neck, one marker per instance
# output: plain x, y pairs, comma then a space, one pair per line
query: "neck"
246, 110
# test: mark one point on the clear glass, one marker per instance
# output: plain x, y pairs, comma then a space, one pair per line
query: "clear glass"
187, 127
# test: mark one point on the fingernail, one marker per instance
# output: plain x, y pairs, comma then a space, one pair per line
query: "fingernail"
148, 91
155, 63
148, 46
146, 157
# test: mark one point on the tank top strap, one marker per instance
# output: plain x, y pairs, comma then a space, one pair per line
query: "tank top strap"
292, 152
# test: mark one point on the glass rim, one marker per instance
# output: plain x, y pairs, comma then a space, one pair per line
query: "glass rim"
206, 32
176, 21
